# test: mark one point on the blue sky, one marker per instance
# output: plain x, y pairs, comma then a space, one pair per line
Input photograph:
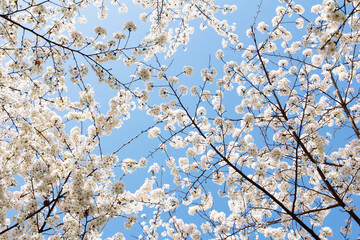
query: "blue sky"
201, 49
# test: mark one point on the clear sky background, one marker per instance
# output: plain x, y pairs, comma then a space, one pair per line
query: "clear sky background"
199, 52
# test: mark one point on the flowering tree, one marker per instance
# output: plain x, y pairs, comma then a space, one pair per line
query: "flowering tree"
264, 141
